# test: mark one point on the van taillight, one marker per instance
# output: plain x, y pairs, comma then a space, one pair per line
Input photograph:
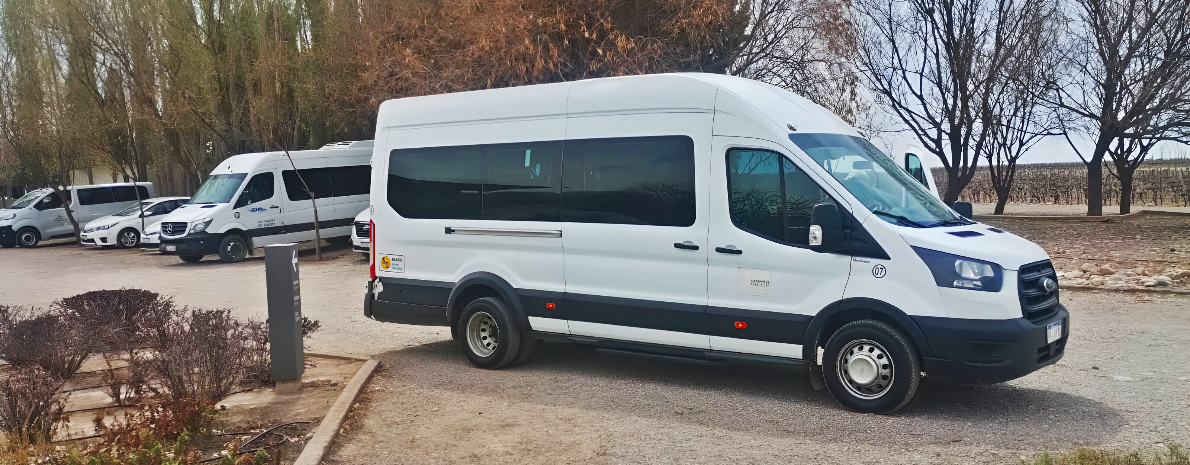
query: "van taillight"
372, 245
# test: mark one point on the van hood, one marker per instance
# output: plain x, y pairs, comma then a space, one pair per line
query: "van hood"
190, 212
978, 241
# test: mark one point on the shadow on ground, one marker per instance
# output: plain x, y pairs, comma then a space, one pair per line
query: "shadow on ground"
757, 399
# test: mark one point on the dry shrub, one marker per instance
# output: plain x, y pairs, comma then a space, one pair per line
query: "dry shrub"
113, 316
1174, 454
163, 421
30, 409
48, 339
200, 354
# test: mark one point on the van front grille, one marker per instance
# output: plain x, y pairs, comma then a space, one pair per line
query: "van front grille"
1038, 303
361, 230
173, 229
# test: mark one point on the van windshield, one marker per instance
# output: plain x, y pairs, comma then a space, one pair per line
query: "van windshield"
27, 200
134, 208
219, 188
876, 181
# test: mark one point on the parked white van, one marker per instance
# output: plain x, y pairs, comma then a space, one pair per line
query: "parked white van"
919, 164
256, 199
123, 229
40, 214
361, 241
697, 217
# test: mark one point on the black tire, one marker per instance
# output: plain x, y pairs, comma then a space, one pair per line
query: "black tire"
190, 258
528, 346
873, 385
233, 248
338, 240
488, 333
28, 238
128, 238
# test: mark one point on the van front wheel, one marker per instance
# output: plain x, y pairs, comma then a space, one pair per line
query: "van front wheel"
28, 238
871, 367
233, 248
489, 336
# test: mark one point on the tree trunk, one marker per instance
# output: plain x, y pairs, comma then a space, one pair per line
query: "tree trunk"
1125, 190
1001, 200
1095, 188
952, 187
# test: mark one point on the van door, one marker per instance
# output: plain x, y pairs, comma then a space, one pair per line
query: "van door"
634, 231
258, 207
765, 284
51, 217
297, 212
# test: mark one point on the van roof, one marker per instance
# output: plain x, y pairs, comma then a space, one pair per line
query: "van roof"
246, 162
754, 101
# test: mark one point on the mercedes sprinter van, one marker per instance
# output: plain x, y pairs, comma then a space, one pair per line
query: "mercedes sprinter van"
41, 214
700, 217
256, 199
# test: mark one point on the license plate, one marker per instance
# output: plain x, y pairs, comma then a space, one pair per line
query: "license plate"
1053, 331
174, 248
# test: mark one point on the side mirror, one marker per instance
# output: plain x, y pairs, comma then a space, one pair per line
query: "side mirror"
964, 208
826, 227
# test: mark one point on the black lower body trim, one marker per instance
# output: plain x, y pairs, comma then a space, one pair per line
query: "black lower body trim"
683, 318
193, 244
663, 352
8, 237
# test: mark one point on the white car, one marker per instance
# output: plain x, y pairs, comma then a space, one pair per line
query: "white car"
151, 238
360, 241
123, 229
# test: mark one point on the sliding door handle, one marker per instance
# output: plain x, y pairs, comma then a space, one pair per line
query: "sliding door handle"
729, 249
686, 245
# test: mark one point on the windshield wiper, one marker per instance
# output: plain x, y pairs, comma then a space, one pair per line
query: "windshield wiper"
899, 218
962, 222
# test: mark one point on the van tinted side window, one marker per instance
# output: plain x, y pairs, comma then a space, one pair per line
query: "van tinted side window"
770, 196
96, 196
259, 188
317, 179
440, 183
49, 202
350, 180
913, 166
640, 180
126, 194
523, 182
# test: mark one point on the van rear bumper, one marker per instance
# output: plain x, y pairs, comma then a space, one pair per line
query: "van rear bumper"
193, 244
989, 351
410, 314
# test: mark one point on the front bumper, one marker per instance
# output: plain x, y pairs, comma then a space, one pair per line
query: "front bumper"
989, 351
97, 238
150, 242
8, 237
361, 246
192, 244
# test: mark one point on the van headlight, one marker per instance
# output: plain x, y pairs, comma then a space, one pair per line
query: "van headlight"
6, 217
958, 272
200, 226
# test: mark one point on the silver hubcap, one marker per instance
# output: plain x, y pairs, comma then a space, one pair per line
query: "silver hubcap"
865, 369
482, 333
28, 238
128, 239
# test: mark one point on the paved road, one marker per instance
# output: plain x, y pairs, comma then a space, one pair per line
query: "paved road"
1125, 382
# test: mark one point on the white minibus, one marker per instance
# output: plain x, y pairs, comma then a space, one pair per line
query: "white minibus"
256, 199
694, 217
40, 214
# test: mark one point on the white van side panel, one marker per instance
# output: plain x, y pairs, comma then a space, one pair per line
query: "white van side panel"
533, 263
347, 207
298, 215
903, 281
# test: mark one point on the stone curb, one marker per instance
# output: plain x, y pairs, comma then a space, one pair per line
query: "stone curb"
324, 436
1138, 290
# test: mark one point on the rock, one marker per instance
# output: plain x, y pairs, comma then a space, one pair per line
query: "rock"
1148, 283
1105, 271
1097, 281
1088, 267
1060, 274
1183, 274
1161, 280
1073, 274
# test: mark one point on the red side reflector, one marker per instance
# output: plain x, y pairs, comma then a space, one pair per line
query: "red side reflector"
550, 305
372, 245
741, 325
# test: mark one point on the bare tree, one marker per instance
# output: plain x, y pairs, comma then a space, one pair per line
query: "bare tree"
938, 64
1126, 75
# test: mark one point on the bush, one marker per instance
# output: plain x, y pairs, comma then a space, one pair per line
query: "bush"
50, 340
30, 409
1174, 454
113, 316
200, 354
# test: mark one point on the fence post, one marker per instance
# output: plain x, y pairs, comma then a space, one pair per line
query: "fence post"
285, 315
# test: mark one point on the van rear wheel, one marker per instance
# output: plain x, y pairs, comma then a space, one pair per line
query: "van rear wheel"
871, 367
490, 338
233, 248
128, 238
28, 238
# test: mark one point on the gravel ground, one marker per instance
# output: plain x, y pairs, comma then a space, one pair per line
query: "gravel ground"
1123, 383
